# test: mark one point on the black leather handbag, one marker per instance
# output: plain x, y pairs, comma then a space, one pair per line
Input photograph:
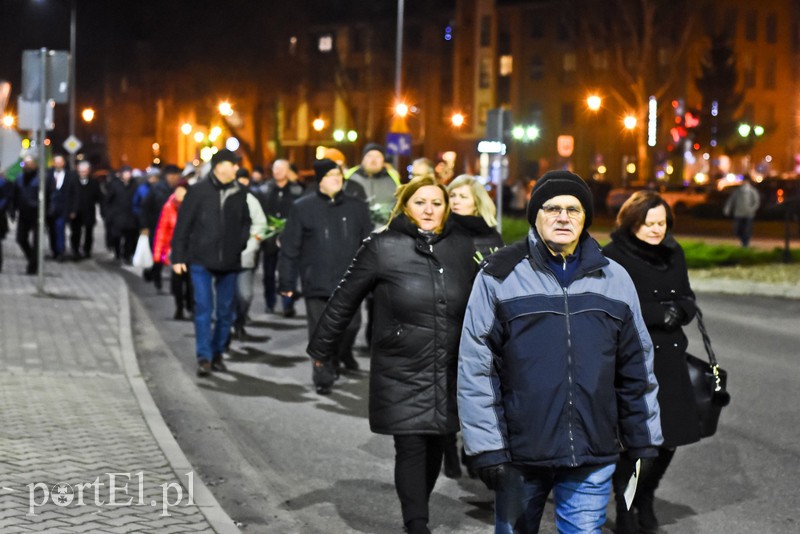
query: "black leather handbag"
709, 383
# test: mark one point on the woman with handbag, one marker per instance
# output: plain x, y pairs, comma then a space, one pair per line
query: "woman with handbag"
420, 269
643, 244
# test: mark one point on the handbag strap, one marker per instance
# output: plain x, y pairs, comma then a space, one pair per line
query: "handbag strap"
712, 358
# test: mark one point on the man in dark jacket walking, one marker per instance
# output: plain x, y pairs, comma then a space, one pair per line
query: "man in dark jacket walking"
25, 207
86, 196
59, 184
212, 231
276, 197
121, 222
321, 239
555, 368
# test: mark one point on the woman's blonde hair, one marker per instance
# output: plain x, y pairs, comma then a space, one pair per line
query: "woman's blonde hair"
484, 206
406, 191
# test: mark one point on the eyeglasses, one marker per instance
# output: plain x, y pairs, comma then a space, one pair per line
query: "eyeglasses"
554, 211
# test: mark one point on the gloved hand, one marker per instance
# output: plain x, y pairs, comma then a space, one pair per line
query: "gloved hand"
492, 475
673, 315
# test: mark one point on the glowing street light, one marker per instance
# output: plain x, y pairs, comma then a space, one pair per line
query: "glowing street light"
87, 114
352, 135
8, 120
629, 122
318, 124
214, 134
338, 136
532, 132
401, 109
225, 108
744, 129
594, 102
457, 120
198, 137
186, 128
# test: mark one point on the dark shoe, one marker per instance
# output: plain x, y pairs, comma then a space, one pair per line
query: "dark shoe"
350, 364
289, 312
417, 526
217, 365
178, 315
147, 274
452, 466
323, 390
203, 368
269, 310
238, 333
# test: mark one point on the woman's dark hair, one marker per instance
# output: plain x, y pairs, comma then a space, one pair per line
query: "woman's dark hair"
406, 191
633, 212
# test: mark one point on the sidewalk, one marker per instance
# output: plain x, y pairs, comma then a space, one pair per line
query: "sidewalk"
82, 445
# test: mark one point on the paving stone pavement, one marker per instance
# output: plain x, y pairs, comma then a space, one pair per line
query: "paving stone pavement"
82, 447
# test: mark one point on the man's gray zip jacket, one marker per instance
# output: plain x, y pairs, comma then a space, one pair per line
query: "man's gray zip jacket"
555, 376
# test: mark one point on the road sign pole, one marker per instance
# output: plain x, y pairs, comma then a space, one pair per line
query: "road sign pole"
40, 135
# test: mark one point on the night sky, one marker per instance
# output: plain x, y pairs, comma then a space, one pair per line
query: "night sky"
112, 35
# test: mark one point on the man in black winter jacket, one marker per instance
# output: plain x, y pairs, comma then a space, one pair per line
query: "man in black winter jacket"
321, 238
212, 230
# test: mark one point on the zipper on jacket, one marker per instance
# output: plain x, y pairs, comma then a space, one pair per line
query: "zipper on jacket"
344, 227
570, 395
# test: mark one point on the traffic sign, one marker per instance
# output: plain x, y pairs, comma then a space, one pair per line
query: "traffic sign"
398, 144
72, 144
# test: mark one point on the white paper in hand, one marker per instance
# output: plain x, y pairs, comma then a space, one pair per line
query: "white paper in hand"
630, 489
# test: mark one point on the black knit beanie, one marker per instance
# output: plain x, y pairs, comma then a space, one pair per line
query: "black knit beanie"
555, 183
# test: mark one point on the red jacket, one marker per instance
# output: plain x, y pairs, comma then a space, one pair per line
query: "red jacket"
162, 244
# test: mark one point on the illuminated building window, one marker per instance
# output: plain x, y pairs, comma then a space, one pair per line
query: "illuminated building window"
506, 65
325, 43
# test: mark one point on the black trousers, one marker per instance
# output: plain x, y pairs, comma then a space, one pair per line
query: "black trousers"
31, 249
81, 231
418, 459
124, 243
182, 290
314, 309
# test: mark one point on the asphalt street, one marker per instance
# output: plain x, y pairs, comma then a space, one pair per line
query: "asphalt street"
280, 458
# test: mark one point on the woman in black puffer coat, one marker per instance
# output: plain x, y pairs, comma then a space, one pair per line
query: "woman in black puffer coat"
420, 270
643, 245
474, 211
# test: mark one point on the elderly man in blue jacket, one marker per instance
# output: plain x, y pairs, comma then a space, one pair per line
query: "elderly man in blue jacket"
555, 374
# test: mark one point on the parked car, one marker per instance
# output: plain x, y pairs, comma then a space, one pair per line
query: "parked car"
617, 196
685, 199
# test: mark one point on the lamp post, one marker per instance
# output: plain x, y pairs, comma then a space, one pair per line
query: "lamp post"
72, 35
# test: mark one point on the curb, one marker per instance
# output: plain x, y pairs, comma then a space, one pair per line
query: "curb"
219, 520
745, 287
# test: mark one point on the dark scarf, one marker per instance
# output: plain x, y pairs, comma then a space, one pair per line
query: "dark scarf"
659, 256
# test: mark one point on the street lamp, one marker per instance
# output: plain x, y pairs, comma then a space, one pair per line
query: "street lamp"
629, 122
594, 102
457, 119
225, 108
88, 115
318, 124
8, 120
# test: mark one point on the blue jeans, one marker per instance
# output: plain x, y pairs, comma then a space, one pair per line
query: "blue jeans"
580, 494
208, 342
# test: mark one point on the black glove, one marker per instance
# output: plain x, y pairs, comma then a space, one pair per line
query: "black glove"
323, 376
673, 316
492, 475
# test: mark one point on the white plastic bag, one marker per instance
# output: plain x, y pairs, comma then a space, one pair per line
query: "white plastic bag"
143, 257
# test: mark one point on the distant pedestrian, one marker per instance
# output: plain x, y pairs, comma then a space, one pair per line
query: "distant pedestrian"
149, 211
643, 244
212, 231
276, 197
420, 269
180, 282
59, 185
555, 368
86, 196
121, 221
6, 191
742, 205
322, 235
244, 280
25, 204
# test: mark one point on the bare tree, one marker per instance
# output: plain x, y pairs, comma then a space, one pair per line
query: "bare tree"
645, 43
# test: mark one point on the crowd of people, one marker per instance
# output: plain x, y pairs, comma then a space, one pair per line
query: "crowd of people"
560, 362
